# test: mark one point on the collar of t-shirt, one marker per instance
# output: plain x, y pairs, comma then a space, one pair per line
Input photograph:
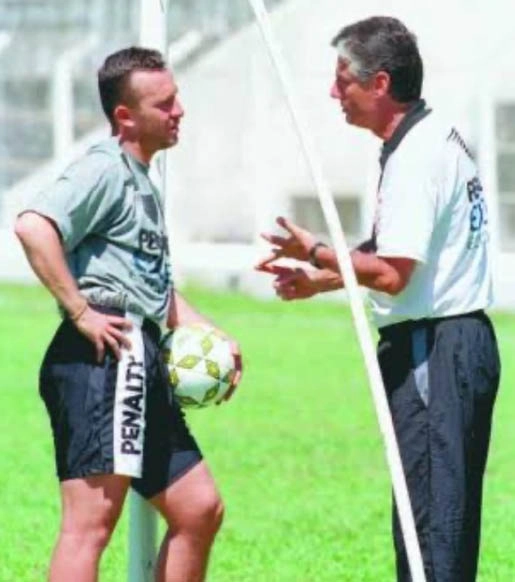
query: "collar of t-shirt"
135, 167
416, 112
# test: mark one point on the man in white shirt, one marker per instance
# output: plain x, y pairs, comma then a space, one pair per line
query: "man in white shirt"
427, 266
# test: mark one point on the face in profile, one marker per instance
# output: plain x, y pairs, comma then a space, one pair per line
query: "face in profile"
154, 109
357, 98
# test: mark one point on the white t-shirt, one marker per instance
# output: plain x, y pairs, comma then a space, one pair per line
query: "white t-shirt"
431, 209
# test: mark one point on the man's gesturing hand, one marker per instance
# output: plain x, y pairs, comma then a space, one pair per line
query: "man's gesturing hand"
296, 283
295, 246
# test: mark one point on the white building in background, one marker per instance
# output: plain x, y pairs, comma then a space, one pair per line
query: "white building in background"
239, 163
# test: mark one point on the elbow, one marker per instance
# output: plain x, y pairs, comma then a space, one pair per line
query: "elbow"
396, 289
31, 228
22, 227
391, 283
395, 275
396, 285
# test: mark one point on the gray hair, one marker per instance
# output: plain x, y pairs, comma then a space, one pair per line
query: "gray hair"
382, 43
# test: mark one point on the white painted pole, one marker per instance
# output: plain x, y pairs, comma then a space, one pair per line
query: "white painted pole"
153, 24
5, 41
142, 517
357, 308
62, 96
142, 539
62, 107
153, 34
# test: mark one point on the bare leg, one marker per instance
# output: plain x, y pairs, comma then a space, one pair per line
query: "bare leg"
193, 511
90, 509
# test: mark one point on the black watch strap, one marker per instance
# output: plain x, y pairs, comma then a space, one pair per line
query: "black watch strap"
312, 254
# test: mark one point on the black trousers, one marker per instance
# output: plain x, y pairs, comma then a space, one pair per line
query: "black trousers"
441, 378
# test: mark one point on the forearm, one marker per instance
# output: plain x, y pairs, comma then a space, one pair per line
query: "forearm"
378, 273
181, 312
371, 271
327, 259
327, 280
45, 254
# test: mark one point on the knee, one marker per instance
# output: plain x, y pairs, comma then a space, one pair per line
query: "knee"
99, 538
210, 513
88, 532
204, 518
218, 514
92, 540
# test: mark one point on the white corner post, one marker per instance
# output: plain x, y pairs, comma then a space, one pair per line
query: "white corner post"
360, 320
5, 41
142, 517
153, 34
62, 96
142, 539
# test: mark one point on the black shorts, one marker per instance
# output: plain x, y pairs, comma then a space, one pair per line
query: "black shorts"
118, 417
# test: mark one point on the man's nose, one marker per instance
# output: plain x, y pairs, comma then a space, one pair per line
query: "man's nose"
177, 110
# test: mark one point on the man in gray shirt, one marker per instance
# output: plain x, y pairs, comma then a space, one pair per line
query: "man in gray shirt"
97, 240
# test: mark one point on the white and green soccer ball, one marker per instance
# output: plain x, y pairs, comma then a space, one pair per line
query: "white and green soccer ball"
200, 364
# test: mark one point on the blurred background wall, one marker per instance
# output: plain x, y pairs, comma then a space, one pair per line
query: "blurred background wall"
239, 163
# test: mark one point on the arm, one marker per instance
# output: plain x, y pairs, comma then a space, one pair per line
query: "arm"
44, 251
296, 283
45, 254
387, 274
181, 312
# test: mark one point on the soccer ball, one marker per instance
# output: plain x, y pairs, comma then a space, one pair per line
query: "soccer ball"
200, 364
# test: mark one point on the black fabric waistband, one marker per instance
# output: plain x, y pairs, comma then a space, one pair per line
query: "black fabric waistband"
413, 324
150, 327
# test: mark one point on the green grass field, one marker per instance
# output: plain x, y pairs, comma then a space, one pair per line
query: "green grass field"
296, 453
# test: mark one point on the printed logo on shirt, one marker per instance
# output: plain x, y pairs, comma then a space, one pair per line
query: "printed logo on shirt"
478, 217
151, 259
455, 137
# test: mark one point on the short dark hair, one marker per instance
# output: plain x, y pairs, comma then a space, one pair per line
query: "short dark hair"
114, 74
382, 43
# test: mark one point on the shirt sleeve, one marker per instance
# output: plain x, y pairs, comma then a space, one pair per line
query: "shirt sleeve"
83, 199
406, 212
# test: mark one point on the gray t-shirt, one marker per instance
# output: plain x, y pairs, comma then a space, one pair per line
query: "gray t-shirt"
110, 217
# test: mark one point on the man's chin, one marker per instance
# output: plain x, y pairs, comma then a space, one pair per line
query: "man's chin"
354, 120
173, 138
169, 143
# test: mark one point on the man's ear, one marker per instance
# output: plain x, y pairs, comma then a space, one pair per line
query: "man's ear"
123, 117
382, 83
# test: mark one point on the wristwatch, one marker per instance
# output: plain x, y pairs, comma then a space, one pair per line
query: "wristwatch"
312, 254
